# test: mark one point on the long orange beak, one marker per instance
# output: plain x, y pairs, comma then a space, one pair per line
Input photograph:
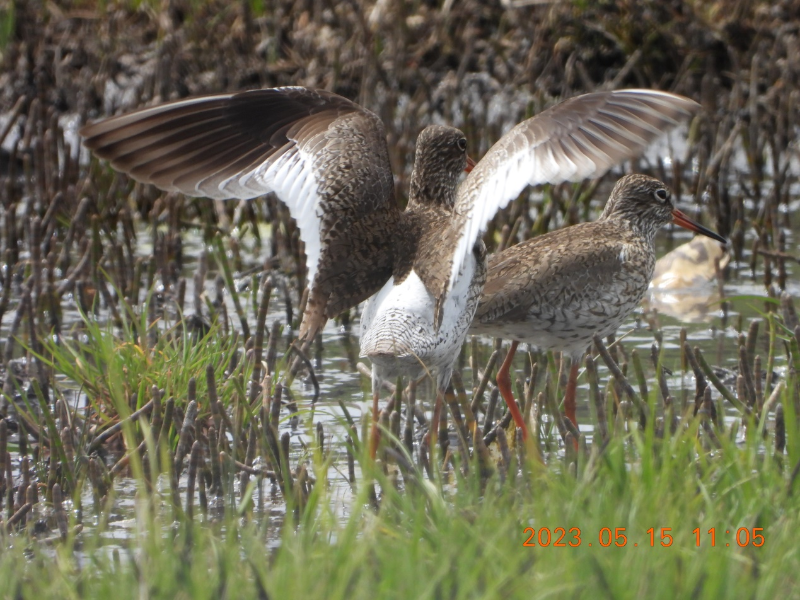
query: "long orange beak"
681, 219
470, 165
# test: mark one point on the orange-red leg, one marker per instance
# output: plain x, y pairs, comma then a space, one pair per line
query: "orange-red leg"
504, 385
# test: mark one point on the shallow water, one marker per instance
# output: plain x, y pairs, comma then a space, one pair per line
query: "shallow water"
697, 310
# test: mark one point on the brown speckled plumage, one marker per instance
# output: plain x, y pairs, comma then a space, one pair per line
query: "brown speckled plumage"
558, 290
205, 146
327, 159
398, 332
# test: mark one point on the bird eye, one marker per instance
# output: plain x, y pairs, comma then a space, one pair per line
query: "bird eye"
462, 144
662, 194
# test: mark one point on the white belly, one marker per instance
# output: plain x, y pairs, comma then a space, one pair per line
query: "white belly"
397, 326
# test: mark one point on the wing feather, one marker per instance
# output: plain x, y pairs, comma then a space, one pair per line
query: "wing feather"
580, 138
324, 156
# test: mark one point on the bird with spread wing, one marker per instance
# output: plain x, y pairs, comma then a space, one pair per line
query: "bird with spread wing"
327, 159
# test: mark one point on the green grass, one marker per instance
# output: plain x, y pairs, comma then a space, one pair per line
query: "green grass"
596, 522
7, 24
110, 364
467, 542
601, 516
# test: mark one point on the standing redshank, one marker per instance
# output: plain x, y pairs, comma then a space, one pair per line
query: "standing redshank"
558, 290
327, 159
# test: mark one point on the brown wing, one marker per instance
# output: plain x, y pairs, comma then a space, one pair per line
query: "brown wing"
324, 156
579, 138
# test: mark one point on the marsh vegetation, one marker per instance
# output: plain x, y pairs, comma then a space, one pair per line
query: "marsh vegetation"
148, 447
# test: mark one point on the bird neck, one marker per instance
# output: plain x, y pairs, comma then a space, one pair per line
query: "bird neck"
639, 231
431, 186
631, 218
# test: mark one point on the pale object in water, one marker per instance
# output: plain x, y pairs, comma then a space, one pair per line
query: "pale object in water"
684, 285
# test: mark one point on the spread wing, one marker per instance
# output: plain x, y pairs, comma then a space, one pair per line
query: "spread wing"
580, 138
324, 156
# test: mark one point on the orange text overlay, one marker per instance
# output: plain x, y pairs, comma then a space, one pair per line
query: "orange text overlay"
562, 537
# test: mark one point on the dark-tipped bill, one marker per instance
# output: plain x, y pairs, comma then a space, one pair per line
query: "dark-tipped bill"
681, 219
470, 165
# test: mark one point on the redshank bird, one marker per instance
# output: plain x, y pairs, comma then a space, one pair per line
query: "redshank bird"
420, 318
327, 159
558, 290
